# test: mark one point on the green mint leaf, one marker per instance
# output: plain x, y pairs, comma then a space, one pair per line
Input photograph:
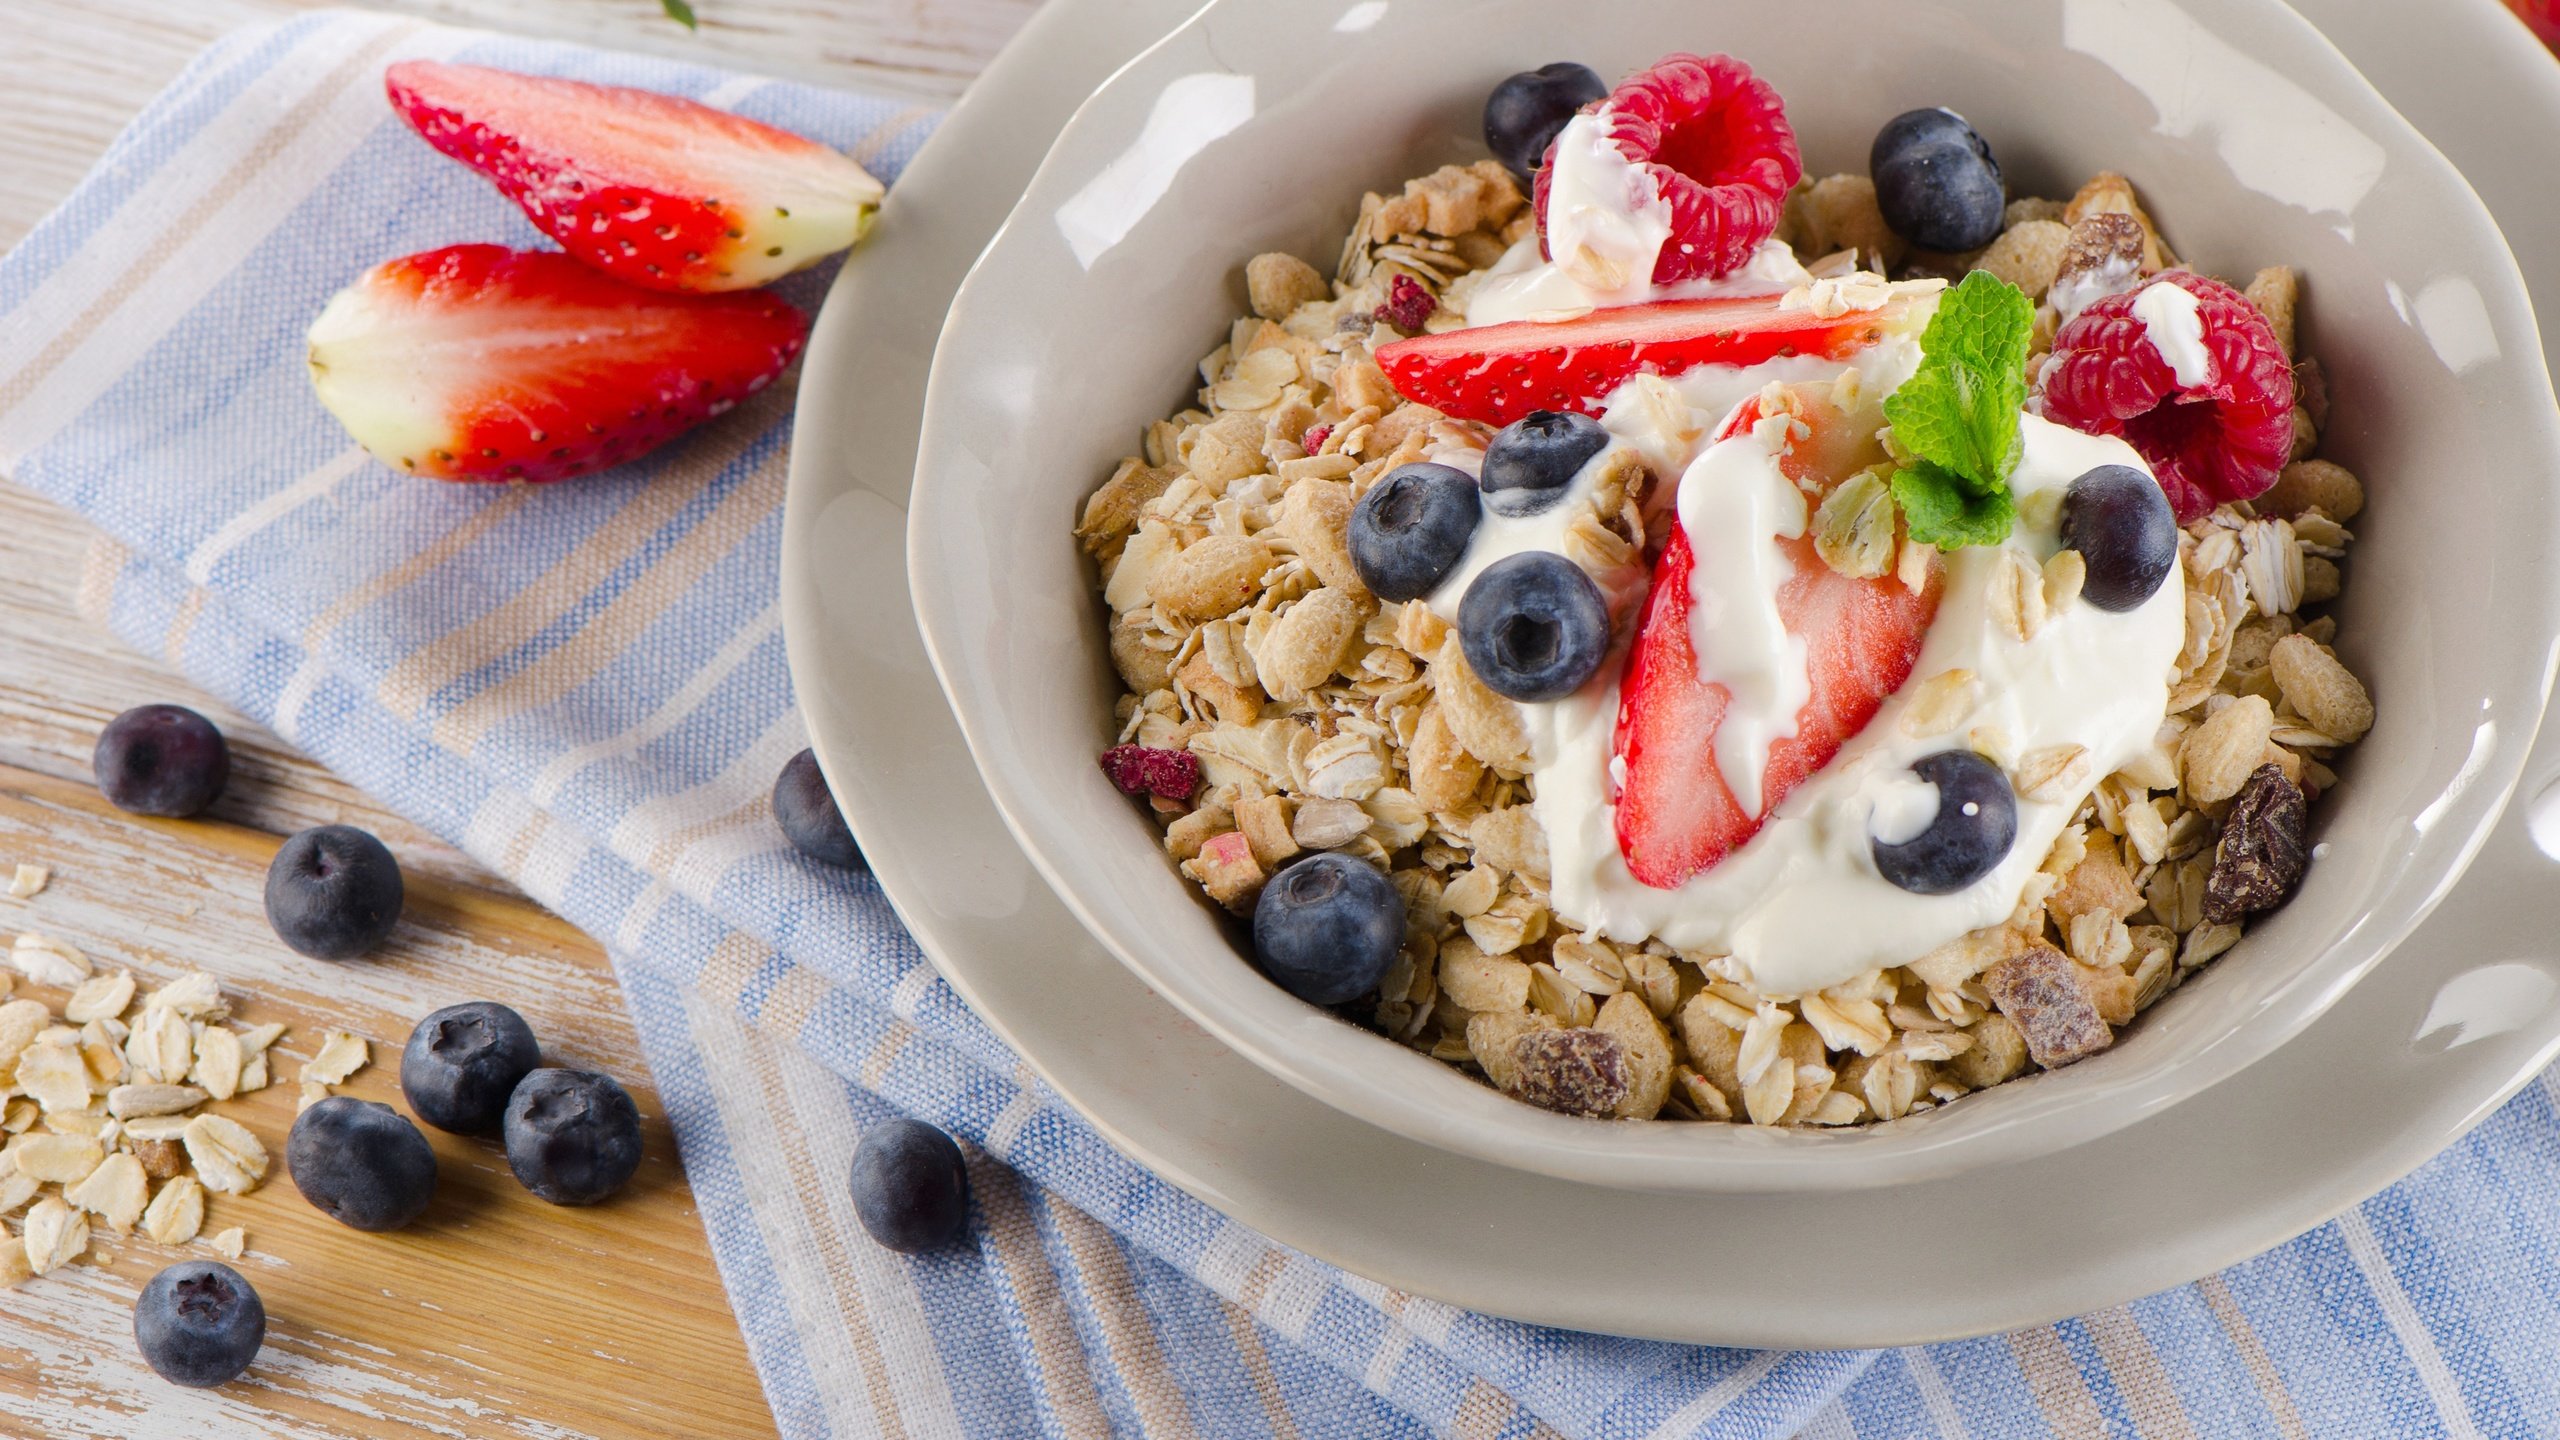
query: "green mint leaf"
1959, 410
680, 12
1945, 510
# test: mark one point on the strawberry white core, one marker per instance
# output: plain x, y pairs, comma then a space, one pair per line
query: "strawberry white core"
1800, 906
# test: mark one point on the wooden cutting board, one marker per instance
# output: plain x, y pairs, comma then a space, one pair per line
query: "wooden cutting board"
497, 1316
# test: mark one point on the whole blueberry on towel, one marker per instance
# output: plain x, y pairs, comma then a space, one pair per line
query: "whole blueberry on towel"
333, 892
1412, 529
910, 1186
809, 817
1533, 626
463, 1064
1524, 112
161, 760
1936, 181
1968, 834
360, 1163
573, 1136
1326, 928
199, 1323
1532, 460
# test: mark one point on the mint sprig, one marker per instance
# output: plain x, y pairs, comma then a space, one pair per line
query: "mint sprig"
1957, 416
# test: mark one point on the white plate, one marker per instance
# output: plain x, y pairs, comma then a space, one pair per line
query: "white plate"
2426, 1046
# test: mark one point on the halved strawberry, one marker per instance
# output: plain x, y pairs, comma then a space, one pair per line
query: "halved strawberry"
1500, 373
1677, 816
653, 189
476, 362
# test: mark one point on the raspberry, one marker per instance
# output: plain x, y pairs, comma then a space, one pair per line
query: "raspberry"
1408, 304
1716, 141
2209, 444
1142, 770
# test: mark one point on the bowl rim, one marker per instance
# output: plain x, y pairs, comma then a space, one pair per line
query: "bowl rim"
1345, 1069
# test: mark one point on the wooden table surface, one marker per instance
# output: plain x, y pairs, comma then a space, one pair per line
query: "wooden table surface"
496, 1315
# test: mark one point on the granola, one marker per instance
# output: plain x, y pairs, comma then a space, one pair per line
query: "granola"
1325, 719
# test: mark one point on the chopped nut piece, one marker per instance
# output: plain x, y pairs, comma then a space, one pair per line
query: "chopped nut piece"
126, 1102
100, 997
1998, 1053
2314, 484
2041, 993
55, 1236
56, 1159
229, 1159
47, 961
1278, 283
2099, 884
230, 1244
1572, 1072
176, 1213
2325, 692
114, 1192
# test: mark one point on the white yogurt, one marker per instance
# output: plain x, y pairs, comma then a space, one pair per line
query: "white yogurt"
1735, 504
2081, 289
1801, 905
2173, 321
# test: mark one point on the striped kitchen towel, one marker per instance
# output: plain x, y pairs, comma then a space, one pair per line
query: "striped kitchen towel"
584, 686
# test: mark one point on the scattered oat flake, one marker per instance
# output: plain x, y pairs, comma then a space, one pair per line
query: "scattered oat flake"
114, 1192
228, 1157
195, 995
229, 1244
56, 1159
14, 1269
155, 1127
256, 1039
55, 1075
218, 1062
341, 1054
176, 1213
253, 1075
28, 881
16, 1190
100, 997
161, 1047
47, 961
55, 1236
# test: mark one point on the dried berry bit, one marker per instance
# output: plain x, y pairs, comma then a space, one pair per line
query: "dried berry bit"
1313, 440
1572, 1072
2263, 851
1408, 304
2041, 993
1143, 770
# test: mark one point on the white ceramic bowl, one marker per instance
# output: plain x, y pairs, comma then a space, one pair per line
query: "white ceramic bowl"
1257, 126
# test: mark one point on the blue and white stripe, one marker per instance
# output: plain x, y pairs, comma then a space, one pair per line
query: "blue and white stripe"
585, 687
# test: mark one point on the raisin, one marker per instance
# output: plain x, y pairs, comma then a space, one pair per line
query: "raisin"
2263, 851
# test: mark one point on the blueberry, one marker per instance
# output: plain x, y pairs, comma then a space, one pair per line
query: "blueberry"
161, 760
910, 1186
1531, 461
2121, 524
573, 1136
1524, 112
1534, 626
1327, 927
1936, 181
807, 812
333, 892
463, 1062
360, 1163
1976, 821
1412, 529
199, 1323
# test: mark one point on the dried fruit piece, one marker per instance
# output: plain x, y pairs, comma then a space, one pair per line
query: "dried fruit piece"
161, 1159
1572, 1072
176, 1213
1408, 305
2263, 851
2041, 993
228, 1157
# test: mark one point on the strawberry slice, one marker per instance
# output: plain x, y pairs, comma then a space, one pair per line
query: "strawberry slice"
476, 362
650, 188
1676, 814
1500, 373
